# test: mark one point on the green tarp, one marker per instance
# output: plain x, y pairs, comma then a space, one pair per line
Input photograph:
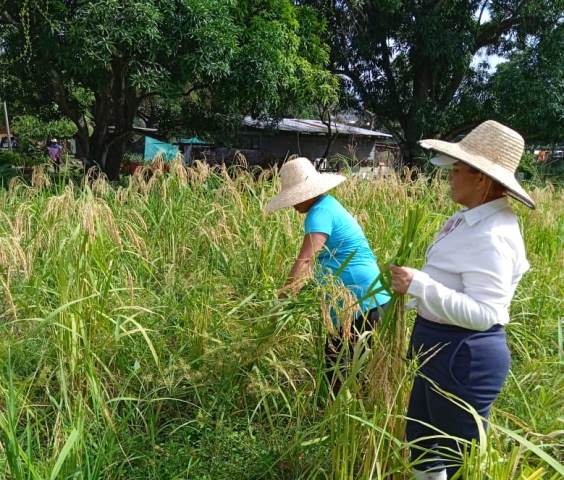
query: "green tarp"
153, 147
192, 141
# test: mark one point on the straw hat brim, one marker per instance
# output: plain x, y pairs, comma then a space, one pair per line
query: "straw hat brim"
485, 165
304, 191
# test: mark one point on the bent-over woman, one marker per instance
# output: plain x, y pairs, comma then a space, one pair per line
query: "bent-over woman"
335, 240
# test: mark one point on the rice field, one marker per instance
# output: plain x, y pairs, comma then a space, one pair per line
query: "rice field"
142, 338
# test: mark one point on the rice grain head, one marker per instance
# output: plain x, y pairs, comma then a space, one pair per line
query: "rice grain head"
60, 206
39, 179
12, 256
16, 186
178, 170
338, 304
100, 186
136, 241
96, 217
199, 172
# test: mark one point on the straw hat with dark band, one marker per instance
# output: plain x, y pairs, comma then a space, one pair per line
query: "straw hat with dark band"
492, 148
301, 182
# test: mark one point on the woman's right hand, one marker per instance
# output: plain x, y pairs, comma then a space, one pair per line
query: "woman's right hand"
401, 278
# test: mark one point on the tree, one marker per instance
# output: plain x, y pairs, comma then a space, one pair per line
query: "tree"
529, 89
100, 61
292, 81
407, 59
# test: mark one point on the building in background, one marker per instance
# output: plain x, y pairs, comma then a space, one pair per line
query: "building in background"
264, 143
309, 138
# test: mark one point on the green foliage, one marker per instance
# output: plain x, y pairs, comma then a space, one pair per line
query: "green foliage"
539, 173
10, 158
18, 159
31, 129
529, 89
529, 168
189, 64
407, 60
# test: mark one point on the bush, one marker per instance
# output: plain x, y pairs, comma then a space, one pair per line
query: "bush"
10, 158
536, 172
29, 128
528, 167
33, 134
18, 159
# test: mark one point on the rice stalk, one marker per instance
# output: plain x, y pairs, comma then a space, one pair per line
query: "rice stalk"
39, 178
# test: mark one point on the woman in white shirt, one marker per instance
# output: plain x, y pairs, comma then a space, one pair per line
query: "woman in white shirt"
463, 294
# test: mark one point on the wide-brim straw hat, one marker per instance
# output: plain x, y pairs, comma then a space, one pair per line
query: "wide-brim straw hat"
301, 182
492, 148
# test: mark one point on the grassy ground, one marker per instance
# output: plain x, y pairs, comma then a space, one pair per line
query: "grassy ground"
142, 339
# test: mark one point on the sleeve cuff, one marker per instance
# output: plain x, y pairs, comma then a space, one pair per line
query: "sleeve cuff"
417, 286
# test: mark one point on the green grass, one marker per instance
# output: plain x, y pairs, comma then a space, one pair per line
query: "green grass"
141, 337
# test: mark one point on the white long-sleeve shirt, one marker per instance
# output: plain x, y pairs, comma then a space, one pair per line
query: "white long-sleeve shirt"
472, 268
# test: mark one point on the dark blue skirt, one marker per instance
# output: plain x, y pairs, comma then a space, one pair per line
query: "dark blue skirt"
468, 364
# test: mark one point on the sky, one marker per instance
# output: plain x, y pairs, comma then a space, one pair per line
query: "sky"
493, 60
481, 55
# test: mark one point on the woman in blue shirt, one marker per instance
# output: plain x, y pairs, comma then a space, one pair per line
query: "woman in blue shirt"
336, 240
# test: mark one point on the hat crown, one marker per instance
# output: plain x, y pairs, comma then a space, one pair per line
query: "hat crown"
497, 143
297, 171
300, 182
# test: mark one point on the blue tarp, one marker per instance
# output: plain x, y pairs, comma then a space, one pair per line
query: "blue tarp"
153, 147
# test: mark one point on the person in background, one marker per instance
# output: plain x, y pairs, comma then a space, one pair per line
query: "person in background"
463, 295
334, 238
55, 152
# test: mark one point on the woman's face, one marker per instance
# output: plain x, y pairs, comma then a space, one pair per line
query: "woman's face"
305, 206
465, 185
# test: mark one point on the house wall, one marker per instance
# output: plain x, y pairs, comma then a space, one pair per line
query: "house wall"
283, 144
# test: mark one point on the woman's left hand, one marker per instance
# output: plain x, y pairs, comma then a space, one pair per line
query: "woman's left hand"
401, 278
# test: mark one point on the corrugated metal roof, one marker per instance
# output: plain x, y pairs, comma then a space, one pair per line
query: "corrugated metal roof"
314, 127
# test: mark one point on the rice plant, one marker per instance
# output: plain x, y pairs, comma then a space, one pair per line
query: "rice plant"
142, 337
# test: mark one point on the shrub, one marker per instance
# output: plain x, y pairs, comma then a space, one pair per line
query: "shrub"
10, 158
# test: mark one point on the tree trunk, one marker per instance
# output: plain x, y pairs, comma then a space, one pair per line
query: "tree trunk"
82, 143
411, 134
331, 138
98, 149
410, 152
124, 108
113, 161
325, 117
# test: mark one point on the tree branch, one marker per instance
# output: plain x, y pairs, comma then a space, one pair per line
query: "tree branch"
198, 86
390, 76
62, 98
120, 136
489, 32
453, 133
482, 9
9, 20
448, 93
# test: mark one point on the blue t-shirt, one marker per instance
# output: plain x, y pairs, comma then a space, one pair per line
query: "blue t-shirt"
345, 236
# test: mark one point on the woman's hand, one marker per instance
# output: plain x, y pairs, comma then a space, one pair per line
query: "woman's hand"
283, 293
401, 278
303, 266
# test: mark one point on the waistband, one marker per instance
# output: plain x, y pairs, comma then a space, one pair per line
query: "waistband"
452, 328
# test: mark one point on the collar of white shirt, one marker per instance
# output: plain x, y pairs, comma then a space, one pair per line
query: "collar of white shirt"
474, 215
